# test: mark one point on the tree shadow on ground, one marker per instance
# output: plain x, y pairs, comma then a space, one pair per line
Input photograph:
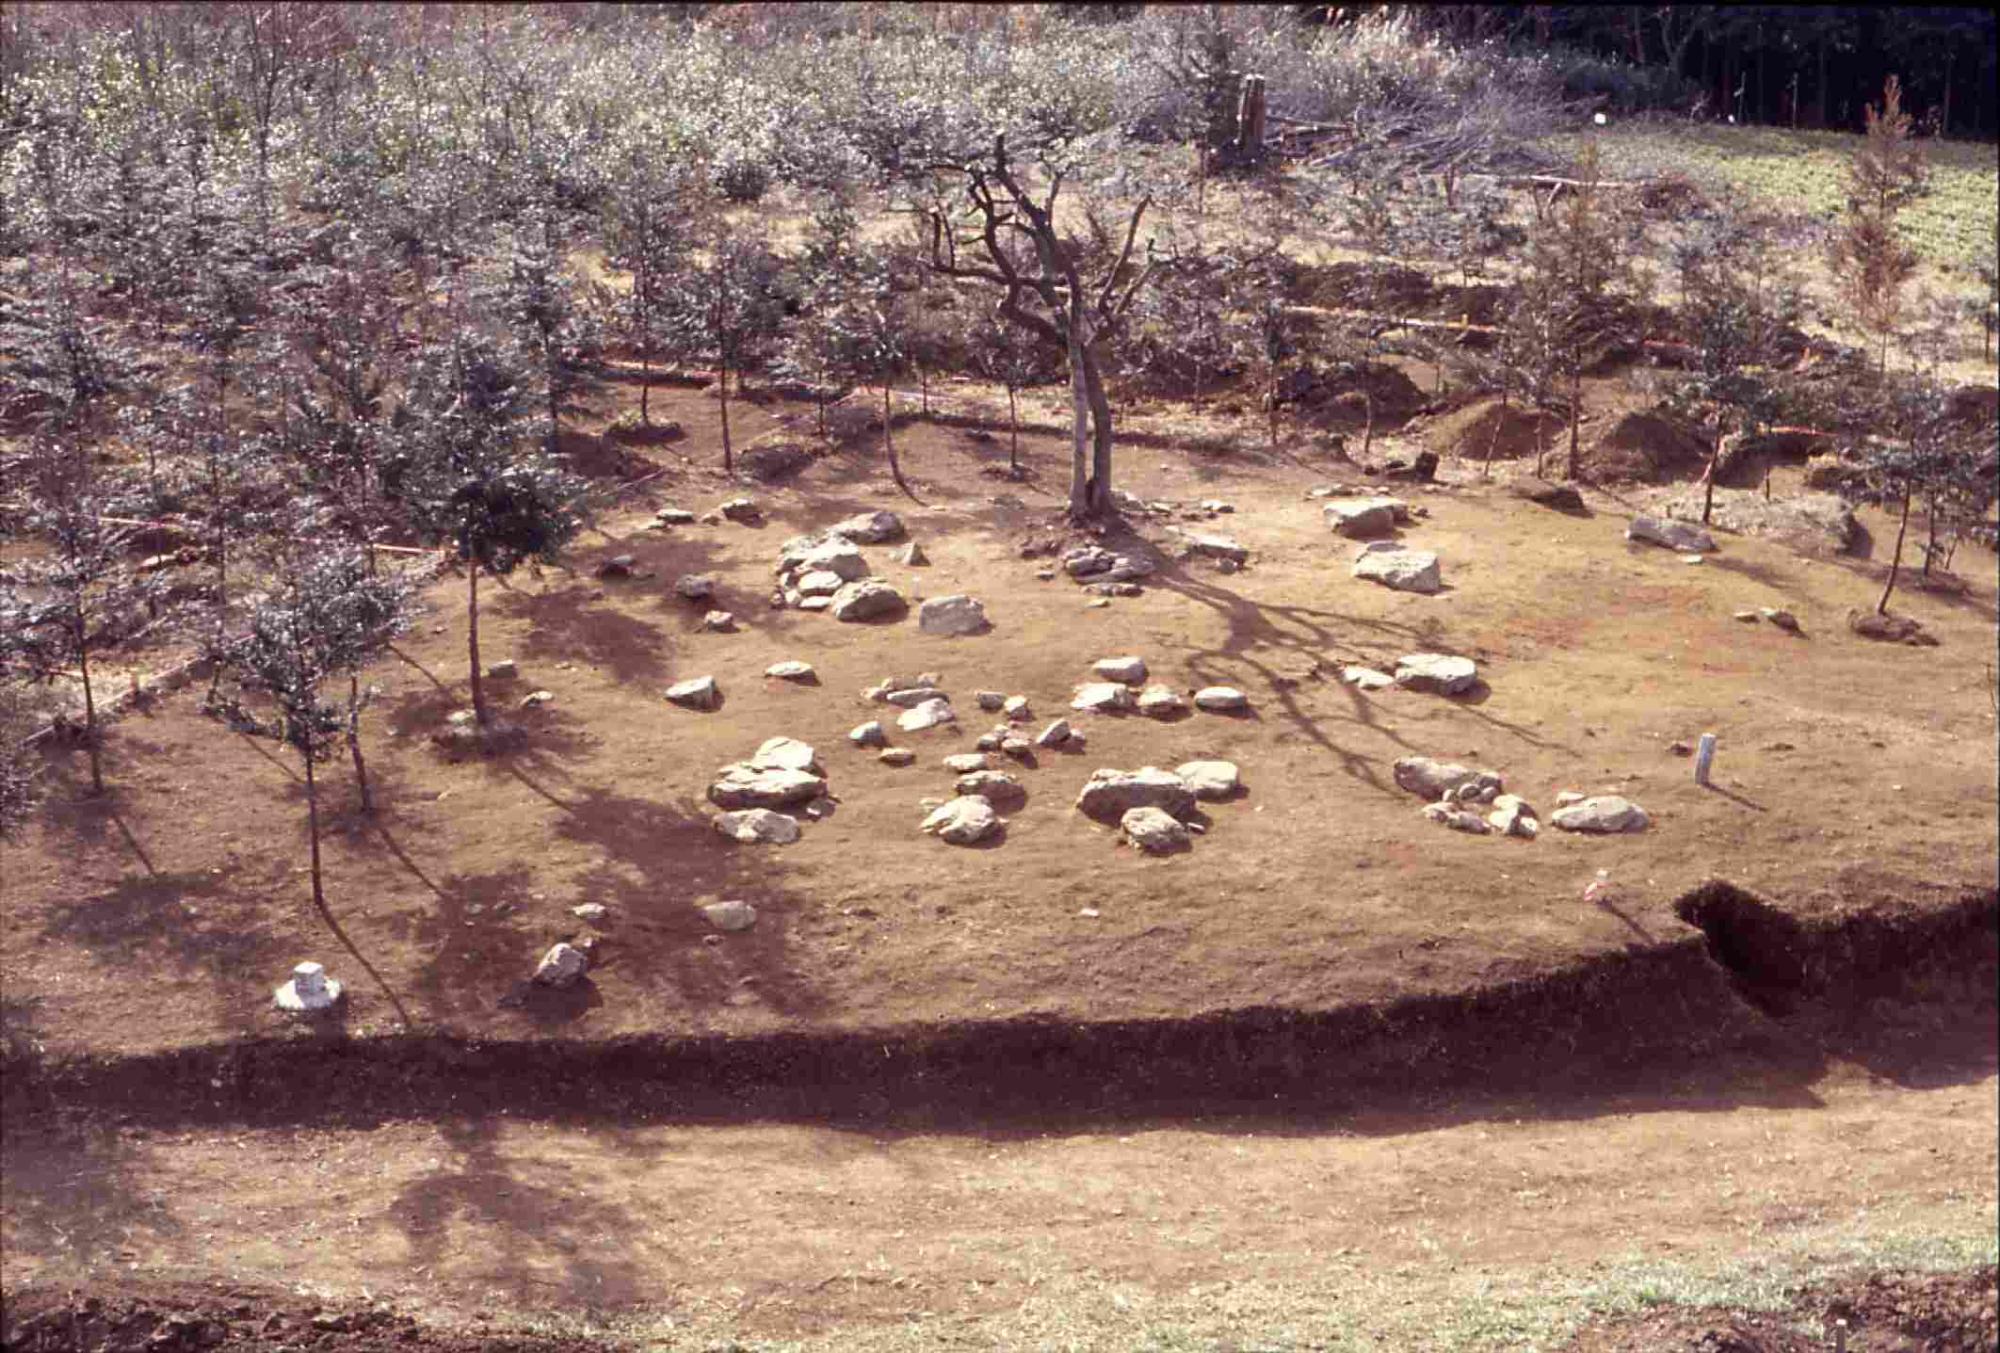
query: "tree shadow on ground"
80, 1194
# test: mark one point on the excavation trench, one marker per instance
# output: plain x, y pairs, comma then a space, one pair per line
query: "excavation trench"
1751, 984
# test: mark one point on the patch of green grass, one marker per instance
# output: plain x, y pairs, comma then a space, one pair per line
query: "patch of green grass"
1806, 172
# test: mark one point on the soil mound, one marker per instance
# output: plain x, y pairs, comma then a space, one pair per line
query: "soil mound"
1507, 430
1643, 447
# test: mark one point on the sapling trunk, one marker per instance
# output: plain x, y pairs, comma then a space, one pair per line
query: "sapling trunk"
1013, 433
722, 386
354, 741
1896, 559
80, 629
889, 443
1708, 479
312, 829
1486, 470
1575, 415
1930, 546
472, 639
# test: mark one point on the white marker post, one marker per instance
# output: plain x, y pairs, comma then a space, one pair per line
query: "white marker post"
1704, 754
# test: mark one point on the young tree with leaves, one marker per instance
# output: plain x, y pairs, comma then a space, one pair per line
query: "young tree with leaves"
1868, 258
814, 350
1009, 356
646, 232
727, 309
471, 478
1739, 300
539, 299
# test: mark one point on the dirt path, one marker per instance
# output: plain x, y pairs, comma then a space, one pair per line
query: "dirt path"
1423, 1223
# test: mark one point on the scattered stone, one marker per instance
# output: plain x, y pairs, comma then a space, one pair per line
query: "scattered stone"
1114, 589
758, 826
1675, 535
1784, 620
1099, 604
1691, 559
1160, 702
911, 556
743, 510
534, 699
743, 785
792, 671
695, 586
1216, 505
1679, 749
896, 756
1087, 560
1221, 700
990, 701
1429, 779
870, 528
505, 670
1153, 831
888, 686
1016, 709
1131, 671
1603, 813
1210, 779
786, 754
1567, 797
593, 912
307, 990
820, 554
868, 734
1747, 617
1438, 672
820, 808
719, 622
1102, 697
561, 966
730, 916
995, 786
617, 566
1511, 816
1367, 678
929, 714
1896, 629
674, 516
1055, 735
910, 699
1398, 568
953, 615
963, 763
962, 821
1361, 518
866, 599
695, 693
1224, 549
988, 742
1125, 568
1456, 818
1109, 794
1561, 497
1019, 748
772, 461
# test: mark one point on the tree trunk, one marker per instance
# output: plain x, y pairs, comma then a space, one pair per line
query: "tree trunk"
1708, 479
1013, 433
1896, 559
312, 833
472, 639
1575, 416
354, 741
924, 389
645, 384
81, 632
722, 387
1079, 465
1368, 414
889, 443
1486, 470
1271, 400
1930, 545
1100, 429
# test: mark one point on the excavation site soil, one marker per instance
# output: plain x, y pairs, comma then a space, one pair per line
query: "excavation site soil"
1334, 1074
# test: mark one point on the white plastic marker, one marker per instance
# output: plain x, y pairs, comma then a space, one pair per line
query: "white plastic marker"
1704, 753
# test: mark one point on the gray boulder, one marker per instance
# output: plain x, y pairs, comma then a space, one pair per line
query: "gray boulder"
1153, 831
1160, 702
1110, 794
1221, 700
1602, 813
695, 693
1210, 779
1131, 671
792, 671
962, 821
758, 826
1367, 678
870, 528
1456, 818
695, 586
730, 916
962, 763
1098, 697
995, 786
867, 599
1360, 518
1223, 548
1398, 568
786, 754
1675, 535
1511, 816
561, 966
1441, 673
868, 734
1433, 780
929, 714
953, 615
743, 785
1055, 735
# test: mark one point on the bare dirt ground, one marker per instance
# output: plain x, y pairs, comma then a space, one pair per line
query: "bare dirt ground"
1337, 1076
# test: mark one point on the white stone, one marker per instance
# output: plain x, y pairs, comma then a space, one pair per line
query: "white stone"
868, 734
1602, 813
1398, 568
1511, 816
1102, 696
694, 586
1675, 535
791, 671
1224, 548
962, 763
838, 557
740, 510
1109, 794
720, 622
870, 528
818, 583
1456, 818
1055, 735
730, 915
1360, 518
593, 912
911, 698
534, 698
1016, 709
867, 599
783, 753
896, 756
1160, 702
1210, 779
758, 826
1432, 780
1439, 672
992, 785
954, 616
695, 693
1131, 671
962, 821
1367, 678
308, 989
561, 966
504, 670
929, 714
745, 786
1221, 700
990, 701
1153, 831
